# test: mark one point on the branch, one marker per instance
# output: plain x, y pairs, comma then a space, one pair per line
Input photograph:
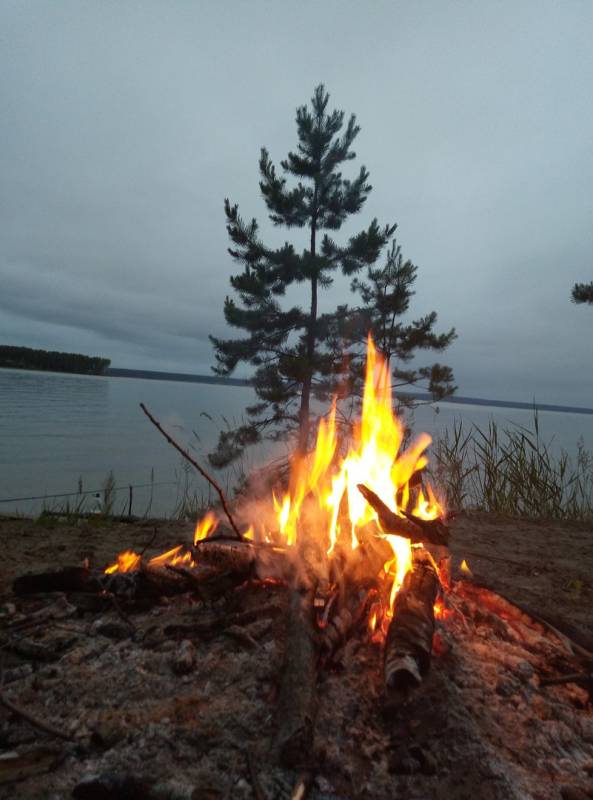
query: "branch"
34, 721
200, 469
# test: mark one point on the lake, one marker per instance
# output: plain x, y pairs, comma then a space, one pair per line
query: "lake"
59, 432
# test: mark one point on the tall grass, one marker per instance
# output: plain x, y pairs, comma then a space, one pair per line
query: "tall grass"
513, 471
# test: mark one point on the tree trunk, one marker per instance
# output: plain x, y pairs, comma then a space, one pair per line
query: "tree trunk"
306, 390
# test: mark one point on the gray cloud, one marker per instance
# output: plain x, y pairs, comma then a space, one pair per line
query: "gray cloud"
125, 125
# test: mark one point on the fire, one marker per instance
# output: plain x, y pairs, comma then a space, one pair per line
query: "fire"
323, 497
177, 556
126, 562
374, 459
174, 557
205, 527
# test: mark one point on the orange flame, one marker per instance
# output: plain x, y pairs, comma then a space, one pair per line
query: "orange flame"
126, 562
205, 527
374, 459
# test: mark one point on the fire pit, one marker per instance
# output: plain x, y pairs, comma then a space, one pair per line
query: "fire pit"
288, 653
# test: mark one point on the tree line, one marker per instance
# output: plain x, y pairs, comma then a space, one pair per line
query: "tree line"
52, 360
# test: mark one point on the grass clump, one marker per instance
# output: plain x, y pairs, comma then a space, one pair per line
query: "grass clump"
511, 470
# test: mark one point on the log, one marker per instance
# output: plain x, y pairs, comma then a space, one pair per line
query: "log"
296, 710
225, 555
351, 613
18, 766
413, 528
68, 579
217, 623
408, 644
366, 562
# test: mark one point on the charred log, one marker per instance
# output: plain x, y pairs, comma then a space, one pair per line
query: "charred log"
413, 528
216, 623
434, 530
296, 709
342, 625
68, 579
366, 562
408, 645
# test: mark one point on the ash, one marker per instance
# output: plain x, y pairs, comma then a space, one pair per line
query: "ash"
157, 709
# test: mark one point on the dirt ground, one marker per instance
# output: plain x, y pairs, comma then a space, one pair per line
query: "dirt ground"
544, 565
200, 713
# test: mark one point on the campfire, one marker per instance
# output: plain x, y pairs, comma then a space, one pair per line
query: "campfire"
347, 538
347, 564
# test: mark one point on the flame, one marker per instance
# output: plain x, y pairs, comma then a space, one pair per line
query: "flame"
126, 562
374, 458
172, 558
205, 527
464, 567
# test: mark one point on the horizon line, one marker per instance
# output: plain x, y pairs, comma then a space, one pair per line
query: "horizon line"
187, 377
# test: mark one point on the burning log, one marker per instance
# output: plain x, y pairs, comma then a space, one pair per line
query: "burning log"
408, 644
298, 691
352, 611
410, 526
225, 554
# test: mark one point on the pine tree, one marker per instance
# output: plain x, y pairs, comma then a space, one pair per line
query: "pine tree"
386, 294
292, 349
582, 293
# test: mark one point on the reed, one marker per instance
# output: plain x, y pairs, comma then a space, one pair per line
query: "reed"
511, 470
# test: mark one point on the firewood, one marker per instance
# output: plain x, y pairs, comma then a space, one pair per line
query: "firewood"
296, 710
434, 530
408, 644
413, 528
225, 555
216, 623
18, 766
348, 618
366, 562
68, 579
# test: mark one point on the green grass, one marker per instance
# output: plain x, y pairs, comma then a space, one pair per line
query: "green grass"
511, 470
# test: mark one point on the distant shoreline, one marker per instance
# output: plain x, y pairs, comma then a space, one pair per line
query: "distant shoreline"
455, 400
213, 380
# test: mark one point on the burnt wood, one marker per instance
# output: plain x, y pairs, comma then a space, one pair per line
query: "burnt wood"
296, 709
68, 579
408, 644
413, 528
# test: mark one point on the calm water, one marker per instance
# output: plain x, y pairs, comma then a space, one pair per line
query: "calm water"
58, 429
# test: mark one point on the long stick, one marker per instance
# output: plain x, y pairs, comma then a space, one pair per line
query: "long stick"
36, 723
195, 464
297, 701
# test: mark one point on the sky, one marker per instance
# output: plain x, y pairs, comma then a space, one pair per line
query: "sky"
124, 125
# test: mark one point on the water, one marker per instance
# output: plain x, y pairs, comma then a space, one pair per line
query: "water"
57, 430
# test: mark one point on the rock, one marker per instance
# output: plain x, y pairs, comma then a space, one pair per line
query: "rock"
112, 628
185, 658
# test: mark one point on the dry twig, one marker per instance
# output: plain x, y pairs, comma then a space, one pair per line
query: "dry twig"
32, 720
200, 469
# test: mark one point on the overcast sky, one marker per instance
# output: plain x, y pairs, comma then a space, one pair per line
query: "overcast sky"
124, 125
